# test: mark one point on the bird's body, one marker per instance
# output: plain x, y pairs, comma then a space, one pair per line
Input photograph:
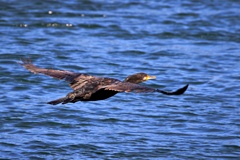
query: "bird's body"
90, 88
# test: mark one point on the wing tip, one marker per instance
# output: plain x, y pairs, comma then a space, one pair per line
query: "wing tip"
25, 61
177, 92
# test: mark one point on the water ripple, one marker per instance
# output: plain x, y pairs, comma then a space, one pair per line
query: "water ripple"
181, 42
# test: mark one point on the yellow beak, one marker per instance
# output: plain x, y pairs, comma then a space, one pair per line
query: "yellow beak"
149, 77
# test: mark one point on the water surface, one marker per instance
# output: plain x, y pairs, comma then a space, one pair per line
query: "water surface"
178, 41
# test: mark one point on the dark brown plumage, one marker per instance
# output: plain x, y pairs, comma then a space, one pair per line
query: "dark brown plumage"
90, 88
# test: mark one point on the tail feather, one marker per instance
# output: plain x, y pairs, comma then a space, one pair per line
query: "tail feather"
69, 98
58, 101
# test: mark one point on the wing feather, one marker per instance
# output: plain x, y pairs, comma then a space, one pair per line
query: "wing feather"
58, 74
127, 87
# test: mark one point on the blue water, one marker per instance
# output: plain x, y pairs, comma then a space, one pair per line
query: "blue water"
195, 42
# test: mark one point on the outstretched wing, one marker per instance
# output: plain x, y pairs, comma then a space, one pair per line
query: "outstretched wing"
127, 87
130, 87
58, 74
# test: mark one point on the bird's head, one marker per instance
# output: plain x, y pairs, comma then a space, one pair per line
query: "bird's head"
139, 78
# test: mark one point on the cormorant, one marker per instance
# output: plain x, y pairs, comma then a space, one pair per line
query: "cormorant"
90, 88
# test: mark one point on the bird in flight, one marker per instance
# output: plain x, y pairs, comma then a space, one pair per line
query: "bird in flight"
91, 88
